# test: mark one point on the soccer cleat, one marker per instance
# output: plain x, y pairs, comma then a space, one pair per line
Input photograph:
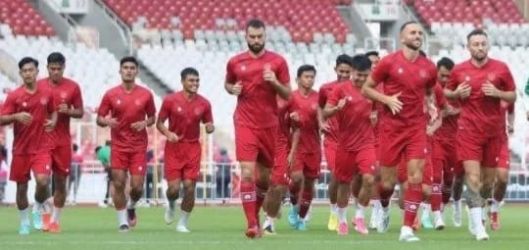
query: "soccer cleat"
54, 227
182, 229
456, 216
406, 235
293, 216
360, 226
343, 229
252, 232
494, 221
169, 215
302, 225
37, 220
481, 235
426, 222
268, 227
375, 214
46, 218
332, 225
24, 229
383, 223
439, 223
131, 217
124, 228
102, 204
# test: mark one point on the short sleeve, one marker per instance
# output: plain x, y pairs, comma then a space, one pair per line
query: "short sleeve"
165, 109
77, 98
440, 99
9, 106
207, 117
104, 106
230, 72
381, 71
507, 80
433, 77
322, 97
453, 80
282, 73
150, 109
335, 96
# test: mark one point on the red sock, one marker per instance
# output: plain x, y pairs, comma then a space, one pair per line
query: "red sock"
260, 195
294, 194
436, 197
447, 192
385, 195
248, 198
306, 199
412, 200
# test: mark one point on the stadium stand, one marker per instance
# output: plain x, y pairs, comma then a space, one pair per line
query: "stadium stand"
24, 19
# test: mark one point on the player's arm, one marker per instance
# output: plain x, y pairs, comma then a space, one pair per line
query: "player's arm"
393, 102
103, 114
22, 117
294, 146
331, 110
283, 90
280, 81
160, 123
436, 124
207, 119
51, 122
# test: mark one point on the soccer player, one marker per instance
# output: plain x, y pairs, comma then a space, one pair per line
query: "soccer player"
480, 83
128, 109
307, 159
67, 97
356, 155
408, 78
256, 77
31, 109
185, 110
343, 69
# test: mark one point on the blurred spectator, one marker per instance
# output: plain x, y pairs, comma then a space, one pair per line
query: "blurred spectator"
149, 183
3, 170
103, 155
223, 174
75, 173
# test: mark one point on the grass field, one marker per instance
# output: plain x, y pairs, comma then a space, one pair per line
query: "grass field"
222, 228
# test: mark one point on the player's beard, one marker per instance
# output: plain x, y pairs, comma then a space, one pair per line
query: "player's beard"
256, 48
479, 57
413, 47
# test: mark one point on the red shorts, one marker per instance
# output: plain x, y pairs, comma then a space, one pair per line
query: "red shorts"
308, 163
401, 144
22, 165
479, 148
134, 162
444, 156
61, 160
330, 154
427, 173
504, 158
351, 163
182, 161
255, 145
280, 170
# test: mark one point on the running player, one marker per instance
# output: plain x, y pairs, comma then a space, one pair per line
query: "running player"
256, 77
31, 109
128, 109
408, 78
185, 110
480, 83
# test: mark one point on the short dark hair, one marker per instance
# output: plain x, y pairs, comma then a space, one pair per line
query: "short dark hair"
97, 149
108, 142
75, 147
445, 62
255, 23
27, 60
361, 63
128, 59
56, 57
404, 25
476, 32
306, 68
343, 59
372, 53
188, 71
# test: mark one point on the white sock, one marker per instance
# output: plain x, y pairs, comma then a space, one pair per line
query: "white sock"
495, 206
55, 215
457, 206
342, 214
437, 215
36, 207
334, 208
24, 216
122, 217
184, 216
426, 208
359, 213
171, 204
131, 204
476, 216
270, 221
376, 204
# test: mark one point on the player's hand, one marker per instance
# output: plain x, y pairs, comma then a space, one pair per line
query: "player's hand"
489, 89
172, 137
394, 104
341, 103
374, 118
63, 108
24, 118
432, 111
49, 125
111, 122
139, 126
325, 127
429, 130
294, 116
463, 90
290, 160
236, 88
452, 111
269, 75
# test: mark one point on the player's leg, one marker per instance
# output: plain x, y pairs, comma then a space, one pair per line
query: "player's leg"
41, 169
457, 193
436, 199
119, 179
296, 183
388, 180
375, 200
307, 193
429, 200
413, 195
263, 169
61, 159
188, 203
137, 181
488, 177
20, 173
474, 200
174, 162
278, 187
172, 192
500, 187
344, 173
77, 182
330, 156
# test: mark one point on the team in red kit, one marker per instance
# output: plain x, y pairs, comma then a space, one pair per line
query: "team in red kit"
391, 120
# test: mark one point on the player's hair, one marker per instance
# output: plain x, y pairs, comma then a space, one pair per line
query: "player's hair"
97, 149
476, 32
27, 60
188, 71
372, 53
306, 68
343, 59
445, 62
361, 63
56, 57
127, 59
404, 25
255, 23
108, 142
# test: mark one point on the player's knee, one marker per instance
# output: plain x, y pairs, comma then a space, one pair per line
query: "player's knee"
368, 180
297, 179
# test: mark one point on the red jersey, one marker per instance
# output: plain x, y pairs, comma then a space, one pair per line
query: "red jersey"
66, 92
307, 107
31, 138
325, 92
411, 79
185, 115
285, 123
257, 104
355, 129
440, 100
127, 108
480, 114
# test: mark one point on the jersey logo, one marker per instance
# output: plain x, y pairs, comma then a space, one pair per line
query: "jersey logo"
400, 71
43, 100
423, 74
63, 95
118, 102
178, 109
467, 78
198, 111
137, 102
243, 67
24, 104
491, 77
